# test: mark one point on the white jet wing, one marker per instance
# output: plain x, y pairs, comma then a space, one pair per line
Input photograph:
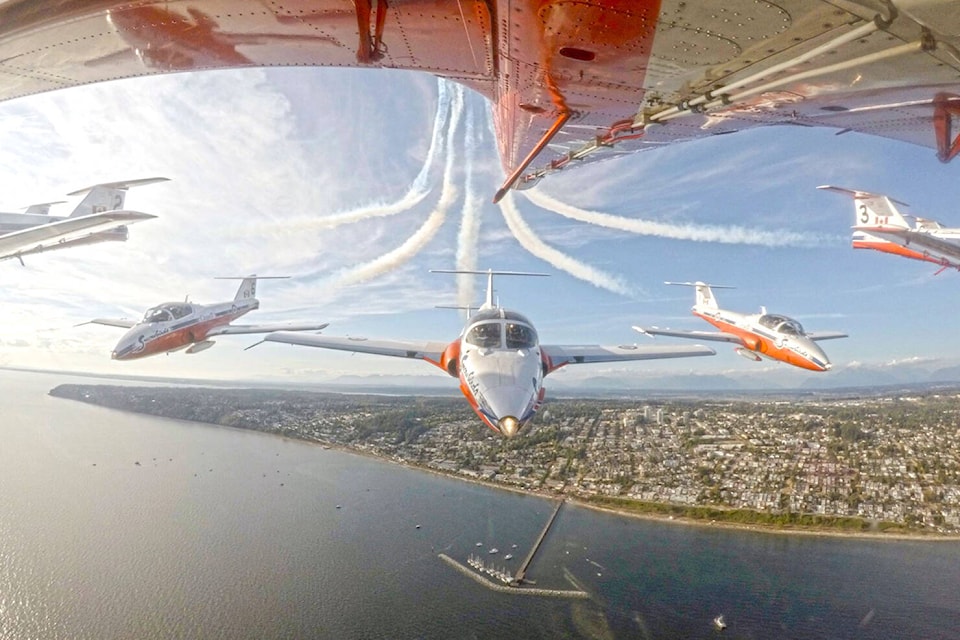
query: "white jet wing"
123, 323
431, 351
576, 354
826, 335
238, 329
716, 336
48, 236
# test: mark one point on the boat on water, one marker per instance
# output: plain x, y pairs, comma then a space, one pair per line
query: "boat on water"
719, 622
508, 556
479, 544
494, 550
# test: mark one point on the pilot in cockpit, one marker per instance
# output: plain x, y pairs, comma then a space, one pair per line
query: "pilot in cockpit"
485, 335
157, 314
519, 336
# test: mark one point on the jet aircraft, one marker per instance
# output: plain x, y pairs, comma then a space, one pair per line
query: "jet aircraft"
99, 217
173, 326
569, 82
880, 226
760, 335
498, 358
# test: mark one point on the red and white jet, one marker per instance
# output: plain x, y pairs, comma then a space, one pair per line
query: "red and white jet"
759, 335
498, 358
173, 326
99, 217
880, 226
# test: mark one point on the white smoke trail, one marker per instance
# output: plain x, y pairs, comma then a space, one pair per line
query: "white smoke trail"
419, 188
693, 232
469, 233
529, 240
415, 243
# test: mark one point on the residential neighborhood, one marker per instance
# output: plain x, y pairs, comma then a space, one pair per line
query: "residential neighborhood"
886, 460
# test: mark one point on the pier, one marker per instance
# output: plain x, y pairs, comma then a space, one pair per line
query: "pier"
549, 593
522, 571
478, 568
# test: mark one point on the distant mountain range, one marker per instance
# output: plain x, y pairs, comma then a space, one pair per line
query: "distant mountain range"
764, 380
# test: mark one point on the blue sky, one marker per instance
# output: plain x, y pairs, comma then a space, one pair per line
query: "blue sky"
356, 182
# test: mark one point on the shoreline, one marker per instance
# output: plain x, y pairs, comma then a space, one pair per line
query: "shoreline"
577, 501
580, 501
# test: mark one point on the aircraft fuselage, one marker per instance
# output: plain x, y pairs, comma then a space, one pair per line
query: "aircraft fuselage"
768, 335
920, 245
177, 325
501, 369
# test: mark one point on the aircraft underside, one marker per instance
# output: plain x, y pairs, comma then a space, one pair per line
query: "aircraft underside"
569, 82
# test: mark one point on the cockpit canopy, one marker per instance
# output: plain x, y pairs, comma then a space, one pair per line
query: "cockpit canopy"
167, 312
782, 324
501, 329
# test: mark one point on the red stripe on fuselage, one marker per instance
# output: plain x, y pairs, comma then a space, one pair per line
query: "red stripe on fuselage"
761, 344
468, 394
185, 336
898, 250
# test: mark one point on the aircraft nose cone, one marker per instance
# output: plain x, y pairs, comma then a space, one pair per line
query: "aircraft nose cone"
113, 355
508, 426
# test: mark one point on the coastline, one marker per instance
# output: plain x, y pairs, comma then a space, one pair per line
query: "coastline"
580, 501
897, 536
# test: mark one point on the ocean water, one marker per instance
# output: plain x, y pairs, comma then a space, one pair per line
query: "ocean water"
114, 525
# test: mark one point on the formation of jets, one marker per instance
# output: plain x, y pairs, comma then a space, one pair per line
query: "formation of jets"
498, 358
760, 335
100, 217
173, 326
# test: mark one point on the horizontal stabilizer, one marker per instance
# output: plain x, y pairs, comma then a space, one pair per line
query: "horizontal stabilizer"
126, 184
859, 195
826, 335
123, 323
488, 302
699, 284
42, 208
490, 272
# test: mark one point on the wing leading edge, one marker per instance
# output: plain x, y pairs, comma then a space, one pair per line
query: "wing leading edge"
429, 351
716, 336
560, 355
55, 235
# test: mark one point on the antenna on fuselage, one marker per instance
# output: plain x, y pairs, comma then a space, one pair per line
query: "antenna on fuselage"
488, 303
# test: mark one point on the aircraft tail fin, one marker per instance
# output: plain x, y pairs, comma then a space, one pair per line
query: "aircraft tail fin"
873, 210
489, 303
704, 293
108, 196
248, 284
